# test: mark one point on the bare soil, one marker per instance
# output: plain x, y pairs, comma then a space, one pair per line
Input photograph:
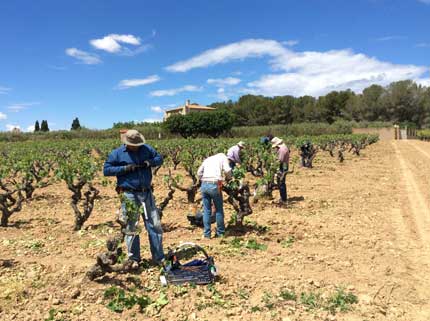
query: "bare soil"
363, 225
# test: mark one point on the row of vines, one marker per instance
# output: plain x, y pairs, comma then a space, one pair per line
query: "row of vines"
28, 166
424, 134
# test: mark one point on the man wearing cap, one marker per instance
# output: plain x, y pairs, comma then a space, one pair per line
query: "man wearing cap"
131, 164
284, 158
233, 154
266, 139
210, 174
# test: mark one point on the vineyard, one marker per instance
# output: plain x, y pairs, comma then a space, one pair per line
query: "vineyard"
296, 263
26, 167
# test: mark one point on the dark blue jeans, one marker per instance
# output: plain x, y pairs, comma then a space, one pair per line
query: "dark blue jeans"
283, 189
152, 224
282, 174
210, 193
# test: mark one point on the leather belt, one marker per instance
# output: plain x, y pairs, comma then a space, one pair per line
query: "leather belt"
210, 181
131, 190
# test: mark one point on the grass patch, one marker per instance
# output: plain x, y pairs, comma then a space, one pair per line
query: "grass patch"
288, 295
243, 294
311, 300
341, 301
51, 315
268, 300
288, 242
261, 229
252, 244
34, 245
119, 300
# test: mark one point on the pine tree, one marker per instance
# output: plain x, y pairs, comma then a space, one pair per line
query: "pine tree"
44, 126
36, 126
75, 124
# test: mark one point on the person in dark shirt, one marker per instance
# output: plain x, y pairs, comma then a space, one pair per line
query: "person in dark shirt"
131, 164
283, 154
266, 140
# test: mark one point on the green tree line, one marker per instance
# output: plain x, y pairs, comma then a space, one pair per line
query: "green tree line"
399, 102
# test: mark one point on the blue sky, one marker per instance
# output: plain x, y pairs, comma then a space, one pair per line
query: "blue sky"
106, 61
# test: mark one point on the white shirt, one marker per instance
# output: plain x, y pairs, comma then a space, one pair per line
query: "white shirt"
212, 168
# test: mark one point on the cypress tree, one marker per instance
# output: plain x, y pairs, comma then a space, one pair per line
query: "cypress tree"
75, 124
44, 126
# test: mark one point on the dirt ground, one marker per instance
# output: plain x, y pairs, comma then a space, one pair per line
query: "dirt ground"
362, 226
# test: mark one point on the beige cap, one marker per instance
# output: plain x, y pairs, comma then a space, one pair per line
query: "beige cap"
133, 138
276, 141
241, 144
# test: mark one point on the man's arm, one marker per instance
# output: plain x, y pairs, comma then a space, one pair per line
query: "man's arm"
237, 156
155, 158
200, 172
226, 168
111, 168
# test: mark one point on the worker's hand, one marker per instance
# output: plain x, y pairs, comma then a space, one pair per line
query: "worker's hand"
131, 168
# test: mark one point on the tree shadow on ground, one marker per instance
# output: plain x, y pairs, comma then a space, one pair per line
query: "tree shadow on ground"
169, 227
111, 224
113, 280
46, 197
26, 224
246, 228
20, 224
295, 199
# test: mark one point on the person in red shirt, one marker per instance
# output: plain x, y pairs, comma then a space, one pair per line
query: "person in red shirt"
284, 158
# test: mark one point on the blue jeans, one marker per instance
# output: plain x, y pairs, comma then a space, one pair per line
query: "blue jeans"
283, 189
283, 169
152, 224
210, 193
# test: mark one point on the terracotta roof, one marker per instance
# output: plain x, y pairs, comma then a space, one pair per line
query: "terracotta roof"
192, 106
174, 109
199, 107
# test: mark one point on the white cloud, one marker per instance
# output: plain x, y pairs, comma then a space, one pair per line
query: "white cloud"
113, 43
30, 129
234, 51
222, 82
10, 127
221, 94
4, 90
389, 38
21, 106
174, 91
316, 73
305, 73
127, 83
290, 43
83, 56
157, 109
3, 116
